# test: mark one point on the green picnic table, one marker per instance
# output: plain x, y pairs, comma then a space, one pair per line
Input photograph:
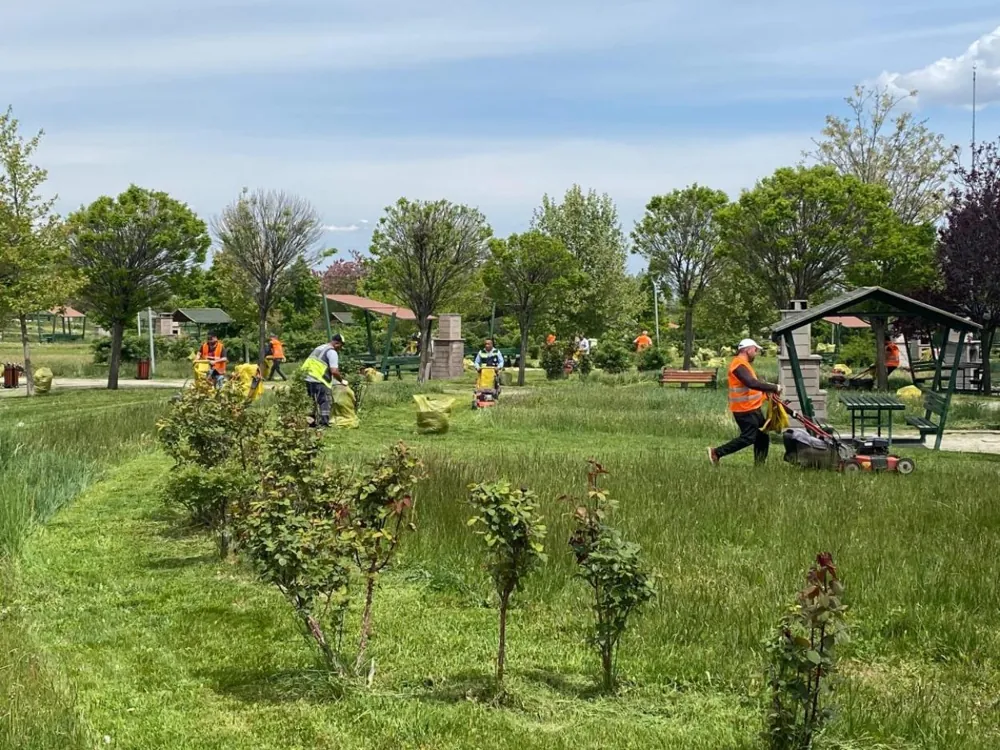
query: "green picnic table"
873, 411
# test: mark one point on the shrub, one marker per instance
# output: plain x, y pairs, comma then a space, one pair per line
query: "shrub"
650, 359
611, 568
381, 506
612, 358
585, 365
514, 536
553, 359
802, 658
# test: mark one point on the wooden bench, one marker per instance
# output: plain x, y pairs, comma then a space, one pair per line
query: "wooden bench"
707, 378
934, 405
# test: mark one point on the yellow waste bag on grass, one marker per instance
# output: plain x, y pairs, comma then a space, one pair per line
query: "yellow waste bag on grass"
433, 415
246, 378
343, 414
777, 417
43, 381
911, 395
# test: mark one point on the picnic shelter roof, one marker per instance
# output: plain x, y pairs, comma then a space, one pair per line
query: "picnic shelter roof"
66, 312
203, 316
848, 321
371, 305
874, 301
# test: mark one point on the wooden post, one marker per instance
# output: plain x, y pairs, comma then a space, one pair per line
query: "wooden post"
800, 387
945, 335
951, 389
368, 329
388, 346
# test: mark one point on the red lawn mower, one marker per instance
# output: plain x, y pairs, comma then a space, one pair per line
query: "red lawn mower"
816, 448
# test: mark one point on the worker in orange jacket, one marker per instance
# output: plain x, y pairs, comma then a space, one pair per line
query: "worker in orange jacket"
276, 351
891, 356
642, 341
215, 352
746, 401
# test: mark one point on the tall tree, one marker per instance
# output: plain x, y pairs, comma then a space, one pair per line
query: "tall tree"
798, 230
34, 275
263, 234
344, 276
130, 249
587, 225
527, 274
969, 248
899, 153
427, 252
734, 307
301, 305
679, 237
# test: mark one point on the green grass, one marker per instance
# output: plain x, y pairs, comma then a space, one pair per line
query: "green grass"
141, 635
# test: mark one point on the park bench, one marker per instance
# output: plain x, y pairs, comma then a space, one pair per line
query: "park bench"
60, 338
935, 405
707, 378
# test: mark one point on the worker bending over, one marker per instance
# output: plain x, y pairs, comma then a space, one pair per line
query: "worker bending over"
488, 357
322, 371
214, 351
276, 351
891, 356
746, 397
642, 341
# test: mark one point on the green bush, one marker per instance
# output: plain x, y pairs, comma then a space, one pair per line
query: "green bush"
858, 351
651, 359
612, 358
135, 347
552, 361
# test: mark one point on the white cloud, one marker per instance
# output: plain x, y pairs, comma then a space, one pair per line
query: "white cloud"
949, 80
336, 228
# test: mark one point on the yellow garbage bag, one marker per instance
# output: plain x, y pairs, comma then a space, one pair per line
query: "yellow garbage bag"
911, 395
777, 417
268, 365
468, 365
343, 414
43, 381
842, 369
372, 375
200, 367
433, 414
247, 379
486, 379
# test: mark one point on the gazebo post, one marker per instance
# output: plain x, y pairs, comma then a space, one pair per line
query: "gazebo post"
952, 382
942, 351
368, 330
800, 386
388, 346
326, 317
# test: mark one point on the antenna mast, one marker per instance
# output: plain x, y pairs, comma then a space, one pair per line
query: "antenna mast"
974, 115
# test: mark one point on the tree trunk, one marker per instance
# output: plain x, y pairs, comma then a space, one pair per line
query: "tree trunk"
261, 340
524, 353
366, 621
881, 376
502, 650
989, 334
115, 361
29, 373
608, 667
688, 336
425, 347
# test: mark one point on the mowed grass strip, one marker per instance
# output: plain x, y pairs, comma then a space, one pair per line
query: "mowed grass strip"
167, 647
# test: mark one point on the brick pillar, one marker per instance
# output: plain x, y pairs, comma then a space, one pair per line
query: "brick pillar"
449, 348
809, 363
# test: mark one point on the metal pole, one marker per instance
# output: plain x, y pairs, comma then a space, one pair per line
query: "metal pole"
656, 311
326, 313
152, 346
138, 324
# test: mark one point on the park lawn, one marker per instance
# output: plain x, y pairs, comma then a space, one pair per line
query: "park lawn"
163, 645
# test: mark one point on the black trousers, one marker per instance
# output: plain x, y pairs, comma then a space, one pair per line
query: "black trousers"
750, 434
322, 403
276, 370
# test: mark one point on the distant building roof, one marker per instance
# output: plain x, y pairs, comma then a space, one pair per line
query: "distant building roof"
67, 312
205, 316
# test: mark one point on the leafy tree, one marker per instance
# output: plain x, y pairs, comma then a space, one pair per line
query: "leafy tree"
34, 275
263, 235
129, 250
969, 248
798, 230
515, 537
901, 154
426, 252
679, 237
733, 307
587, 225
527, 274
300, 305
344, 276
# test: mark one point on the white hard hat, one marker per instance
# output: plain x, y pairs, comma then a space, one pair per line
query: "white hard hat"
747, 343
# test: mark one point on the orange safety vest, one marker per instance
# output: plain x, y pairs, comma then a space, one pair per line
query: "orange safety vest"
891, 354
219, 367
642, 342
741, 398
277, 349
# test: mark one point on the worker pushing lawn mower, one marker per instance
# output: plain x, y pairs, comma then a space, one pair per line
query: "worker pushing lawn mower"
489, 364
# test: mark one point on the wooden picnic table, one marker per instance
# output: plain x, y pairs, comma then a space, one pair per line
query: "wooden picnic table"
871, 410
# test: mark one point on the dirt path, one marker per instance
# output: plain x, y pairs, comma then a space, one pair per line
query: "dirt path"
971, 441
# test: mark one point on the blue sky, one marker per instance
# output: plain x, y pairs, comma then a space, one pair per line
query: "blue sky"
353, 104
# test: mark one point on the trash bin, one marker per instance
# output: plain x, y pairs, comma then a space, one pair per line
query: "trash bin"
11, 375
142, 370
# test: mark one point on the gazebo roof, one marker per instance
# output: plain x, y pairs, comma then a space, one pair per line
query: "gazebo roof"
371, 305
874, 301
204, 316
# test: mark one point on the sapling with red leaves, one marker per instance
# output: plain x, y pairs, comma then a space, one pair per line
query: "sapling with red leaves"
515, 538
382, 507
802, 659
612, 568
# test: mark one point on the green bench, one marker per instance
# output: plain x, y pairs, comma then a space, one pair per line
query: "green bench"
935, 404
60, 338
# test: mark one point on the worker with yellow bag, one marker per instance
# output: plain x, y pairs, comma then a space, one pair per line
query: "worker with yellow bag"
322, 371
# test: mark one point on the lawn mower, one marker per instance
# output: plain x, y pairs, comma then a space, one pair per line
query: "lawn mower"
814, 447
487, 391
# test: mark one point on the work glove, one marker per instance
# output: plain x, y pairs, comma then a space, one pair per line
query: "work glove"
781, 389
